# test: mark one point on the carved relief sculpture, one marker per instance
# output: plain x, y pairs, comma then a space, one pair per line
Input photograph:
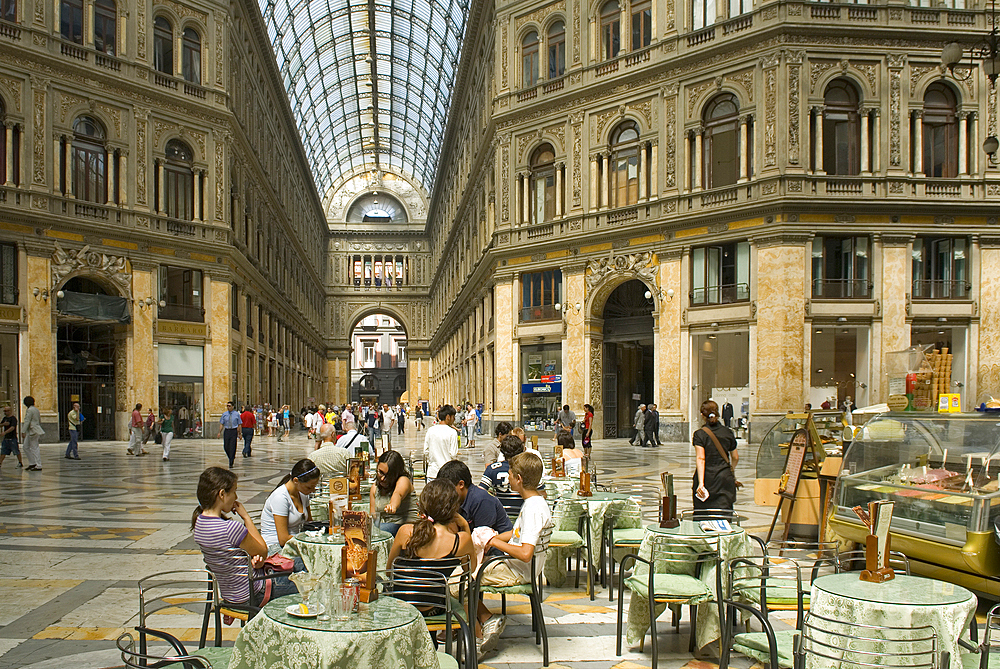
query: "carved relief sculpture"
636, 264
111, 267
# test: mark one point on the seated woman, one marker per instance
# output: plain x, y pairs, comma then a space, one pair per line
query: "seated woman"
572, 457
287, 508
215, 533
392, 494
440, 533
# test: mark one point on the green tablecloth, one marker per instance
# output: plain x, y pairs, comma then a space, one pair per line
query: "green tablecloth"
321, 554
561, 486
905, 601
387, 633
599, 505
732, 545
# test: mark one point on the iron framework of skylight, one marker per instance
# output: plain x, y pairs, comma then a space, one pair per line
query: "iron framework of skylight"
369, 81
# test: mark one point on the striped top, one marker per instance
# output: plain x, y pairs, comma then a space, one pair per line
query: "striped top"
214, 535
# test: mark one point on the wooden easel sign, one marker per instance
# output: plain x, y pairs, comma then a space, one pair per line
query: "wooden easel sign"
789, 484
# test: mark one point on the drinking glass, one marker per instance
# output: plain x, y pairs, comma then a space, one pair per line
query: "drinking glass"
322, 595
345, 601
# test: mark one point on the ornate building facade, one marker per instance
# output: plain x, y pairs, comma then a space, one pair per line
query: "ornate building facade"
161, 238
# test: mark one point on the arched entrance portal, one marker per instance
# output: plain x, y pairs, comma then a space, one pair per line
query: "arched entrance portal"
90, 321
378, 360
628, 356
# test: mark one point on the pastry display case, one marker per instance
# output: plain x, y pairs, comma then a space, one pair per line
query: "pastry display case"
941, 471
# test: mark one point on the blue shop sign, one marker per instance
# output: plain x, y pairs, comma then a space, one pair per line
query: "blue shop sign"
541, 388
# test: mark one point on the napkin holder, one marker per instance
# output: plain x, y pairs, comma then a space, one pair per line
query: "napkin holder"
585, 490
558, 467
357, 559
354, 474
873, 571
338, 486
668, 504
368, 590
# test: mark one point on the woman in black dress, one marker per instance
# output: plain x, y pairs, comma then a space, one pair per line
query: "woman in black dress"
713, 478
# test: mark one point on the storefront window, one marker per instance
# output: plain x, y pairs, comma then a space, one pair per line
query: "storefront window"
839, 366
946, 351
185, 399
180, 291
541, 386
722, 364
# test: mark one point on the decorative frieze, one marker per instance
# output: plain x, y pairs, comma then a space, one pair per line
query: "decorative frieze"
38, 130
794, 111
895, 103
110, 267
576, 119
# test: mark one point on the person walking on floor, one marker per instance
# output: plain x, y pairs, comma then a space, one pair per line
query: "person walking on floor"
135, 432
248, 421
73, 418
8, 430
167, 431
230, 423
32, 427
638, 422
148, 427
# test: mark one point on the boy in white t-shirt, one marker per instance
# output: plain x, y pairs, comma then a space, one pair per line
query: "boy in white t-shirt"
520, 542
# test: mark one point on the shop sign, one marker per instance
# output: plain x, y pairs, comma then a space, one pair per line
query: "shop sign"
537, 389
551, 378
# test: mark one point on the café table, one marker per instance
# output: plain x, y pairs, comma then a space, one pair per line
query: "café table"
320, 508
561, 486
732, 544
386, 633
321, 553
905, 601
598, 506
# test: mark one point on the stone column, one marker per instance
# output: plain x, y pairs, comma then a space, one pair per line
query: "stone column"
593, 334
688, 181
698, 139
595, 168
161, 179
142, 368
918, 144
68, 152
668, 362
198, 216
559, 189
864, 141
778, 350
963, 139
9, 158
818, 144
338, 371
109, 174
988, 369
574, 372
38, 342
973, 156
526, 195
605, 182
877, 142
744, 150
218, 388
123, 177
654, 186
642, 171
506, 372
891, 332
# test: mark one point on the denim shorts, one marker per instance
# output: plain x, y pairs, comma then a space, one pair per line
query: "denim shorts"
10, 447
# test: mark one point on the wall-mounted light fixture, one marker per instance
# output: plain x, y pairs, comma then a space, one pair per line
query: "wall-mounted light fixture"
669, 294
40, 293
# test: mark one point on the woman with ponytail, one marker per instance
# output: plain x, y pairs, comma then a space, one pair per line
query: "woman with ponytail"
287, 508
441, 531
216, 534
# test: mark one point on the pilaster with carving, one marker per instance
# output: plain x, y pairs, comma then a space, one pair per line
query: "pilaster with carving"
669, 94
794, 61
39, 98
769, 64
896, 64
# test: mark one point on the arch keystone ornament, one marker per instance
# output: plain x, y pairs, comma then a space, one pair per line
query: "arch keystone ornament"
113, 268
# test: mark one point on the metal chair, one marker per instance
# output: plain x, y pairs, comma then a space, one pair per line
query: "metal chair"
192, 590
635, 522
511, 502
243, 611
854, 560
181, 659
532, 590
424, 583
834, 642
698, 515
673, 576
570, 517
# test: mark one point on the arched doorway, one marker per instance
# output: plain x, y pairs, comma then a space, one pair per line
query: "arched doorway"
378, 359
628, 356
90, 320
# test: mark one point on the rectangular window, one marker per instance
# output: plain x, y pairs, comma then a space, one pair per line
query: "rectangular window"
941, 268
642, 28
720, 274
557, 55
529, 63
841, 268
539, 293
610, 30
181, 294
71, 20
8, 274
703, 14
368, 353
234, 306
738, 7
400, 354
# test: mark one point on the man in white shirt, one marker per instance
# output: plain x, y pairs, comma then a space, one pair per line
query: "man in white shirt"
331, 459
469, 422
350, 439
441, 441
388, 422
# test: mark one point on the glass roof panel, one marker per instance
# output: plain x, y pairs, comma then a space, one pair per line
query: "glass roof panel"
325, 59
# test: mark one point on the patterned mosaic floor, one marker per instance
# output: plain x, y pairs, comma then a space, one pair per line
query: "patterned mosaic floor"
76, 536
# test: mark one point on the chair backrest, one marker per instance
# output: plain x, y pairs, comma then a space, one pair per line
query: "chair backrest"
135, 659
803, 551
683, 555
758, 581
854, 560
190, 590
849, 643
569, 514
456, 570
232, 569
511, 502
422, 583
698, 515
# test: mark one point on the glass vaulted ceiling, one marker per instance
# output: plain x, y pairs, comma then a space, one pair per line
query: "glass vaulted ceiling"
369, 80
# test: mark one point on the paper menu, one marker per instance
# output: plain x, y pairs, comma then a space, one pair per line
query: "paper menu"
881, 518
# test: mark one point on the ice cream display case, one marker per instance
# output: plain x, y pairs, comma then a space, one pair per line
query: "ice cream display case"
941, 471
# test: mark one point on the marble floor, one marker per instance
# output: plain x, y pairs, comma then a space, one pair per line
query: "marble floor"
77, 535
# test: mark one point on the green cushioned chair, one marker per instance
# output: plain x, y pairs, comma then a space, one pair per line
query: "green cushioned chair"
676, 572
630, 536
446, 661
571, 530
755, 645
190, 590
203, 658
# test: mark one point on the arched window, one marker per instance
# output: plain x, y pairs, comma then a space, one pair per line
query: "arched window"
940, 132
191, 56
90, 164
642, 26
624, 165
163, 46
529, 60
71, 20
179, 181
721, 146
841, 129
557, 50
543, 184
703, 13
611, 20
8, 10
105, 26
